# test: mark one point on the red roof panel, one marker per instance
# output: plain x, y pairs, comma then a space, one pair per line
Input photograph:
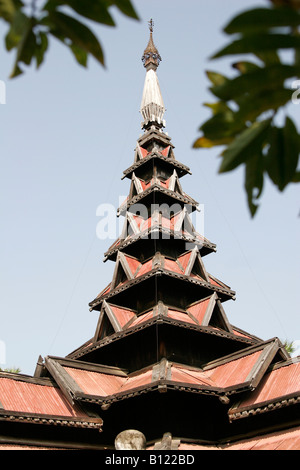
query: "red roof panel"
234, 372
16, 395
123, 315
277, 383
171, 265
133, 263
138, 380
142, 318
144, 152
96, 383
184, 375
184, 259
198, 310
176, 315
165, 151
146, 267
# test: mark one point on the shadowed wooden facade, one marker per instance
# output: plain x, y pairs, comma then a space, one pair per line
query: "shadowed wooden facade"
164, 359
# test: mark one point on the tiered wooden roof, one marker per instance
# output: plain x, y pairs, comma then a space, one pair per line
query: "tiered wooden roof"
164, 358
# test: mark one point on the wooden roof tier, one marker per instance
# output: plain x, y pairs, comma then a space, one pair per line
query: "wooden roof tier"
222, 378
175, 231
146, 163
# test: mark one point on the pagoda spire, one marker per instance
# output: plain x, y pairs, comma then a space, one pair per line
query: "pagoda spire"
152, 105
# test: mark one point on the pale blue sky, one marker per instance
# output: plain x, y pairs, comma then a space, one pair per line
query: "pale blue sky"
66, 136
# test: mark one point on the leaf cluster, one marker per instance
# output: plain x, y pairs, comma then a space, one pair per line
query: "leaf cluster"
31, 26
289, 346
14, 370
243, 119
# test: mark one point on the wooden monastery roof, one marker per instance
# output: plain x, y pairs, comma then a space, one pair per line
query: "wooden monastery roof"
161, 328
39, 400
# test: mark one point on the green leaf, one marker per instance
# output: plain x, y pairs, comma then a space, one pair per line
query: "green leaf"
291, 149
125, 6
258, 43
245, 67
66, 27
295, 4
8, 9
218, 107
271, 77
253, 105
18, 26
268, 57
203, 142
26, 47
283, 154
254, 179
216, 78
261, 19
275, 158
96, 10
41, 47
296, 177
221, 125
247, 144
80, 55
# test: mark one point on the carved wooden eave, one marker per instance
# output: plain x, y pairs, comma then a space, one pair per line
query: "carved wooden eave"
182, 231
159, 273
50, 420
205, 246
156, 189
181, 169
166, 375
156, 322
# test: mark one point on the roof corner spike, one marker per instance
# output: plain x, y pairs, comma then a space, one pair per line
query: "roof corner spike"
152, 106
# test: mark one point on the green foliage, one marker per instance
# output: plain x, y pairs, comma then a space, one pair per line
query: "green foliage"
14, 370
244, 117
29, 33
289, 346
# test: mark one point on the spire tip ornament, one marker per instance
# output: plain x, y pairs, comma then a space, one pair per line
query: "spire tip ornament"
151, 57
151, 25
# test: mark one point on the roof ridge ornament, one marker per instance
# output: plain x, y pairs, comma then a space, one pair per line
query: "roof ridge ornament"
151, 57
